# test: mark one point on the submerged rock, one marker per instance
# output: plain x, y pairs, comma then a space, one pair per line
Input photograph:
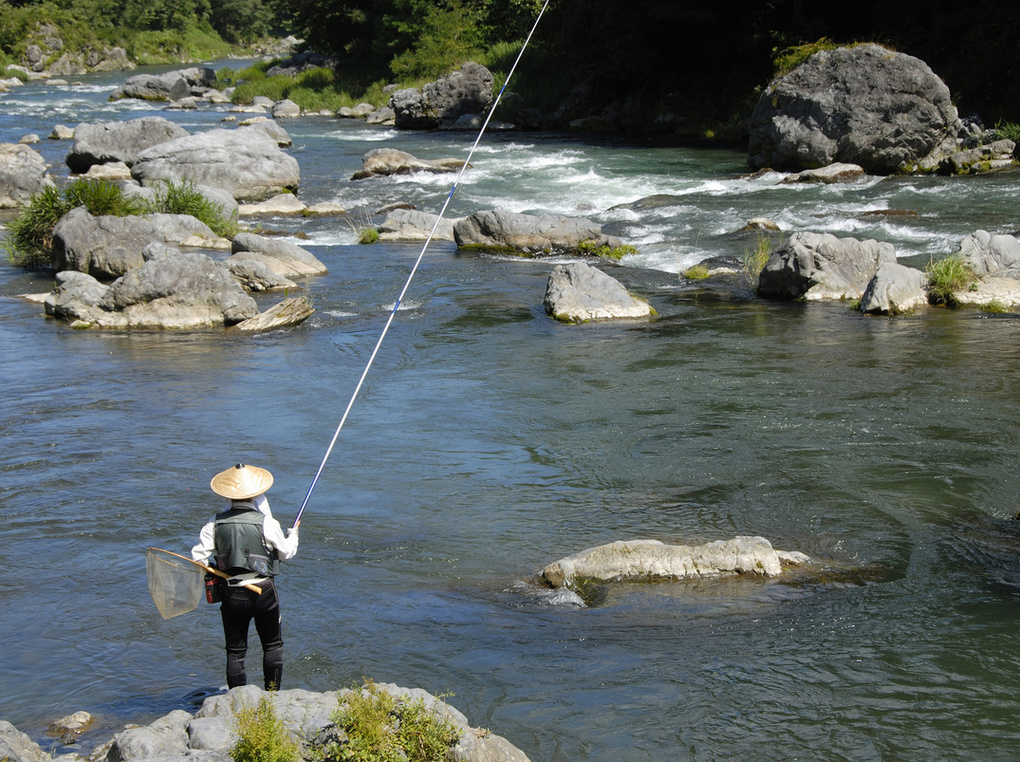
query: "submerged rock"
652, 560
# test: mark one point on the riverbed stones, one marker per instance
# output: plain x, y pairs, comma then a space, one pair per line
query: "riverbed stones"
105, 142
865, 105
530, 235
818, 266
23, 173
246, 162
653, 560
580, 293
465, 91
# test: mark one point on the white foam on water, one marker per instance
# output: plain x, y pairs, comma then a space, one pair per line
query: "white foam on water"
364, 136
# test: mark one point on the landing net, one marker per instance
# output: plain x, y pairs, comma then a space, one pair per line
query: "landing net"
175, 583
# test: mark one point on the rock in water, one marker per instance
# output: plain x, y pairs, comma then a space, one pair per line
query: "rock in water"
863, 105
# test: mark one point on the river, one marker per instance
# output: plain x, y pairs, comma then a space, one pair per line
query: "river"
490, 440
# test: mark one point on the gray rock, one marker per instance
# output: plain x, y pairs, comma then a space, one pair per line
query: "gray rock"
412, 225
171, 86
282, 257
286, 109
105, 247
170, 290
895, 289
67, 729
271, 128
103, 142
815, 266
863, 105
166, 737
256, 275
466, 91
185, 230
991, 255
993, 156
22, 175
528, 235
18, 747
211, 733
646, 560
578, 293
246, 162
381, 162
832, 173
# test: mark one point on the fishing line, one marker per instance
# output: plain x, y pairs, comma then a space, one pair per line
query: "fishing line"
417, 263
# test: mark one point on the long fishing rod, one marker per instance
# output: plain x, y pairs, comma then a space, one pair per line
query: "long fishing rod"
417, 263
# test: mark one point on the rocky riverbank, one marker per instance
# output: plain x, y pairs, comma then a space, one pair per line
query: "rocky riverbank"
210, 733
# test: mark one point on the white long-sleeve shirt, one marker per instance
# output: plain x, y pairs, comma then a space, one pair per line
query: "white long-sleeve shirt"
286, 545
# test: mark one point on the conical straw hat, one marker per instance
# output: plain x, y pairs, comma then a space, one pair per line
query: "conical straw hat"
241, 482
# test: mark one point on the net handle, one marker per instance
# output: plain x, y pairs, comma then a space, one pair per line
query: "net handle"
247, 585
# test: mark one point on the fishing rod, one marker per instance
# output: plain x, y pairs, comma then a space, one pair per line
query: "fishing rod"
417, 263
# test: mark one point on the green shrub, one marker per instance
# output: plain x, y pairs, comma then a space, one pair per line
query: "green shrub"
29, 242
946, 277
368, 235
261, 736
1008, 130
101, 197
381, 728
183, 198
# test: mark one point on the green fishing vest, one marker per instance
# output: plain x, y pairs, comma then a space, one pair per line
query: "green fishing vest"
240, 544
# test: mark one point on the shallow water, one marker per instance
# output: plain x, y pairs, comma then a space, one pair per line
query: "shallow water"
489, 440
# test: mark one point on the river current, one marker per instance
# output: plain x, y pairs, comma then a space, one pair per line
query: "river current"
490, 440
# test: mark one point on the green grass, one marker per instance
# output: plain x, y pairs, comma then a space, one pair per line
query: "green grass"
368, 236
696, 272
382, 728
261, 736
754, 260
182, 198
1008, 130
616, 253
29, 242
946, 277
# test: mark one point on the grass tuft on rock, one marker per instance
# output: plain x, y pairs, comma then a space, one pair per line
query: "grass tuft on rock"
946, 277
261, 736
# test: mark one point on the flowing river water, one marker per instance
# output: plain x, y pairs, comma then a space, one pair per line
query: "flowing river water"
490, 440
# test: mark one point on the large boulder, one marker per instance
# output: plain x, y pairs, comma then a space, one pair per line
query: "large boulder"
170, 290
440, 103
863, 105
246, 162
578, 293
106, 247
895, 289
816, 266
285, 259
650, 560
103, 142
500, 231
22, 175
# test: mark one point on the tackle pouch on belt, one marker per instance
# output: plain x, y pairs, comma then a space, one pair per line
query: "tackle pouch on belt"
212, 588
